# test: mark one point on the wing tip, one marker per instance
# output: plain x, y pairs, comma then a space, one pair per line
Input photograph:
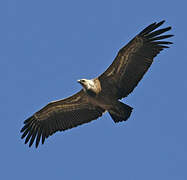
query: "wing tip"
162, 22
152, 35
152, 27
31, 131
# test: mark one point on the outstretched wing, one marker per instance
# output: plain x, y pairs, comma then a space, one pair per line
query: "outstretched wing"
133, 60
59, 116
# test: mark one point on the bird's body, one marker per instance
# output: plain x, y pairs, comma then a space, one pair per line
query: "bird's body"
103, 93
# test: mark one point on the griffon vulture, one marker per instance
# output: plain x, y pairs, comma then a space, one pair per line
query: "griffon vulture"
102, 93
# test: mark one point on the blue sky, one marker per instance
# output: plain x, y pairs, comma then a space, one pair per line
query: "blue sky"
47, 45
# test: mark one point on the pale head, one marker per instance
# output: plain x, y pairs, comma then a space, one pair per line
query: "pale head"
86, 83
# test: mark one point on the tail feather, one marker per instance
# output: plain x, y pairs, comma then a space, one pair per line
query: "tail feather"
121, 112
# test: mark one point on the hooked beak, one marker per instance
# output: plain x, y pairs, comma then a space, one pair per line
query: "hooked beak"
79, 81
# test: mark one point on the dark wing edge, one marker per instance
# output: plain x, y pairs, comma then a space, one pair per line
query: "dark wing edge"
59, 116
134, 59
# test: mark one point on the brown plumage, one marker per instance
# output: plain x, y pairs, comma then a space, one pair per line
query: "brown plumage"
100, 94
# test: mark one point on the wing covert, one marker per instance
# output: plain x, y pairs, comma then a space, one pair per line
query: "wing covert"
59, 116
133, 61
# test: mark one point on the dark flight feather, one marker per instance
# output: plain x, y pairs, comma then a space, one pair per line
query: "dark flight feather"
59, 116
120, 79
133, 60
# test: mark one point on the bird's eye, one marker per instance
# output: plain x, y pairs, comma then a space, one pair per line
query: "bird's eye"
83, 80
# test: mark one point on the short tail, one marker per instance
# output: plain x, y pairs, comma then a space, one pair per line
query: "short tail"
121, 112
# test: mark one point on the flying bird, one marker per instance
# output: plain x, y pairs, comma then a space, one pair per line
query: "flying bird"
101, 94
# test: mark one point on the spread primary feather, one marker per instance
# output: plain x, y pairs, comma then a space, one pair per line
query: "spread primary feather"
102, 93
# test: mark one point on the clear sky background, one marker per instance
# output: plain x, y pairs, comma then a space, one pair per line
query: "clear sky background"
45, 46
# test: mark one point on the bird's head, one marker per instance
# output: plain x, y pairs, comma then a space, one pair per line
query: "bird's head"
86, 83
